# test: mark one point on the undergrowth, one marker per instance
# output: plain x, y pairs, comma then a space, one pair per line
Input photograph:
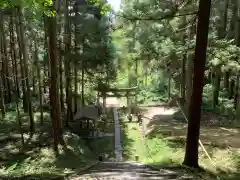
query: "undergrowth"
160, 152
37, 158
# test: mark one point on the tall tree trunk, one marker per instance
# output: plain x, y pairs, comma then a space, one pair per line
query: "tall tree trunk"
226, 80
75, 61
15, 73
53, 81
60, 58
2, 105
40, 97
191, 154
222, 31
13, 53
6, 78
189, 74
238, 104
136, 81
237, 95
216, 85
231, 89
61, 84
183, 81
75, 88
223, 35
169, 86
232, 28
25, 63
236, 92
67, 64
82, 83
54, 100
183, 64
46, 56
223, 28
25, 105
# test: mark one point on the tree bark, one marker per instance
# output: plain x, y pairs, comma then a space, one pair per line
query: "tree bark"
183, 82
191, 154
216, 86
38, 78
226, 80
189, 73
67, 64
54, 100
13, 53
17, 23
25, 63
5, 62
1, 76
75, 62
237, 95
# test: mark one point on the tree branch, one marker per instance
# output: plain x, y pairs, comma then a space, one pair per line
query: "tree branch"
134, 18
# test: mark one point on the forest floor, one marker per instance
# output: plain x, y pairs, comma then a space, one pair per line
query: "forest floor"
167, 134
161, 120
163, 149
37, 160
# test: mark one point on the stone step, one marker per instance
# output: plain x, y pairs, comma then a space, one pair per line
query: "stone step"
126, 170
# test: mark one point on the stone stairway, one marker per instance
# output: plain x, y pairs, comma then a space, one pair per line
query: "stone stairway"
125, 171
119, 170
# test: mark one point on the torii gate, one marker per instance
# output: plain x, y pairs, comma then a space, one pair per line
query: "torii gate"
104, 92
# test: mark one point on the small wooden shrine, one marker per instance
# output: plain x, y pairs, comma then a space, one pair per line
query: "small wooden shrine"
87, 118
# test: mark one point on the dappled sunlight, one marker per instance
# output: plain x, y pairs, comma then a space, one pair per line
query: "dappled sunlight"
167, 126
44, 160
222, 143
66, 66
152, 111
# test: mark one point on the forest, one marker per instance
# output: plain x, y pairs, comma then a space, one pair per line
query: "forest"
88, 91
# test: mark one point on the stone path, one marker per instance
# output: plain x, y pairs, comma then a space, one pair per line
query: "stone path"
120, 170
125, 171
118, 146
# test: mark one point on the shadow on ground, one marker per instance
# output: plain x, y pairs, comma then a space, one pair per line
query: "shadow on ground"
123, 170
35, 177
37, 157
175, 129
125, 141
221, 141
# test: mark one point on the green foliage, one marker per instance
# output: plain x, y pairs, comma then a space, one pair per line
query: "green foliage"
163, 150
160, 45
225, 107
104, 8
34, 5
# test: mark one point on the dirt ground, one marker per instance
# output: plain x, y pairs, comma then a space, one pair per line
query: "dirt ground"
161, 118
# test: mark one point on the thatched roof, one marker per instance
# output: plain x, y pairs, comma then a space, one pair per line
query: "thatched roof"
88, 112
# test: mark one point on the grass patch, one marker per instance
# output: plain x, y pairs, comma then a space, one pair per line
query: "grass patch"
37, 159
156, 151
42, 160
131, 142
103, 146
161, 153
